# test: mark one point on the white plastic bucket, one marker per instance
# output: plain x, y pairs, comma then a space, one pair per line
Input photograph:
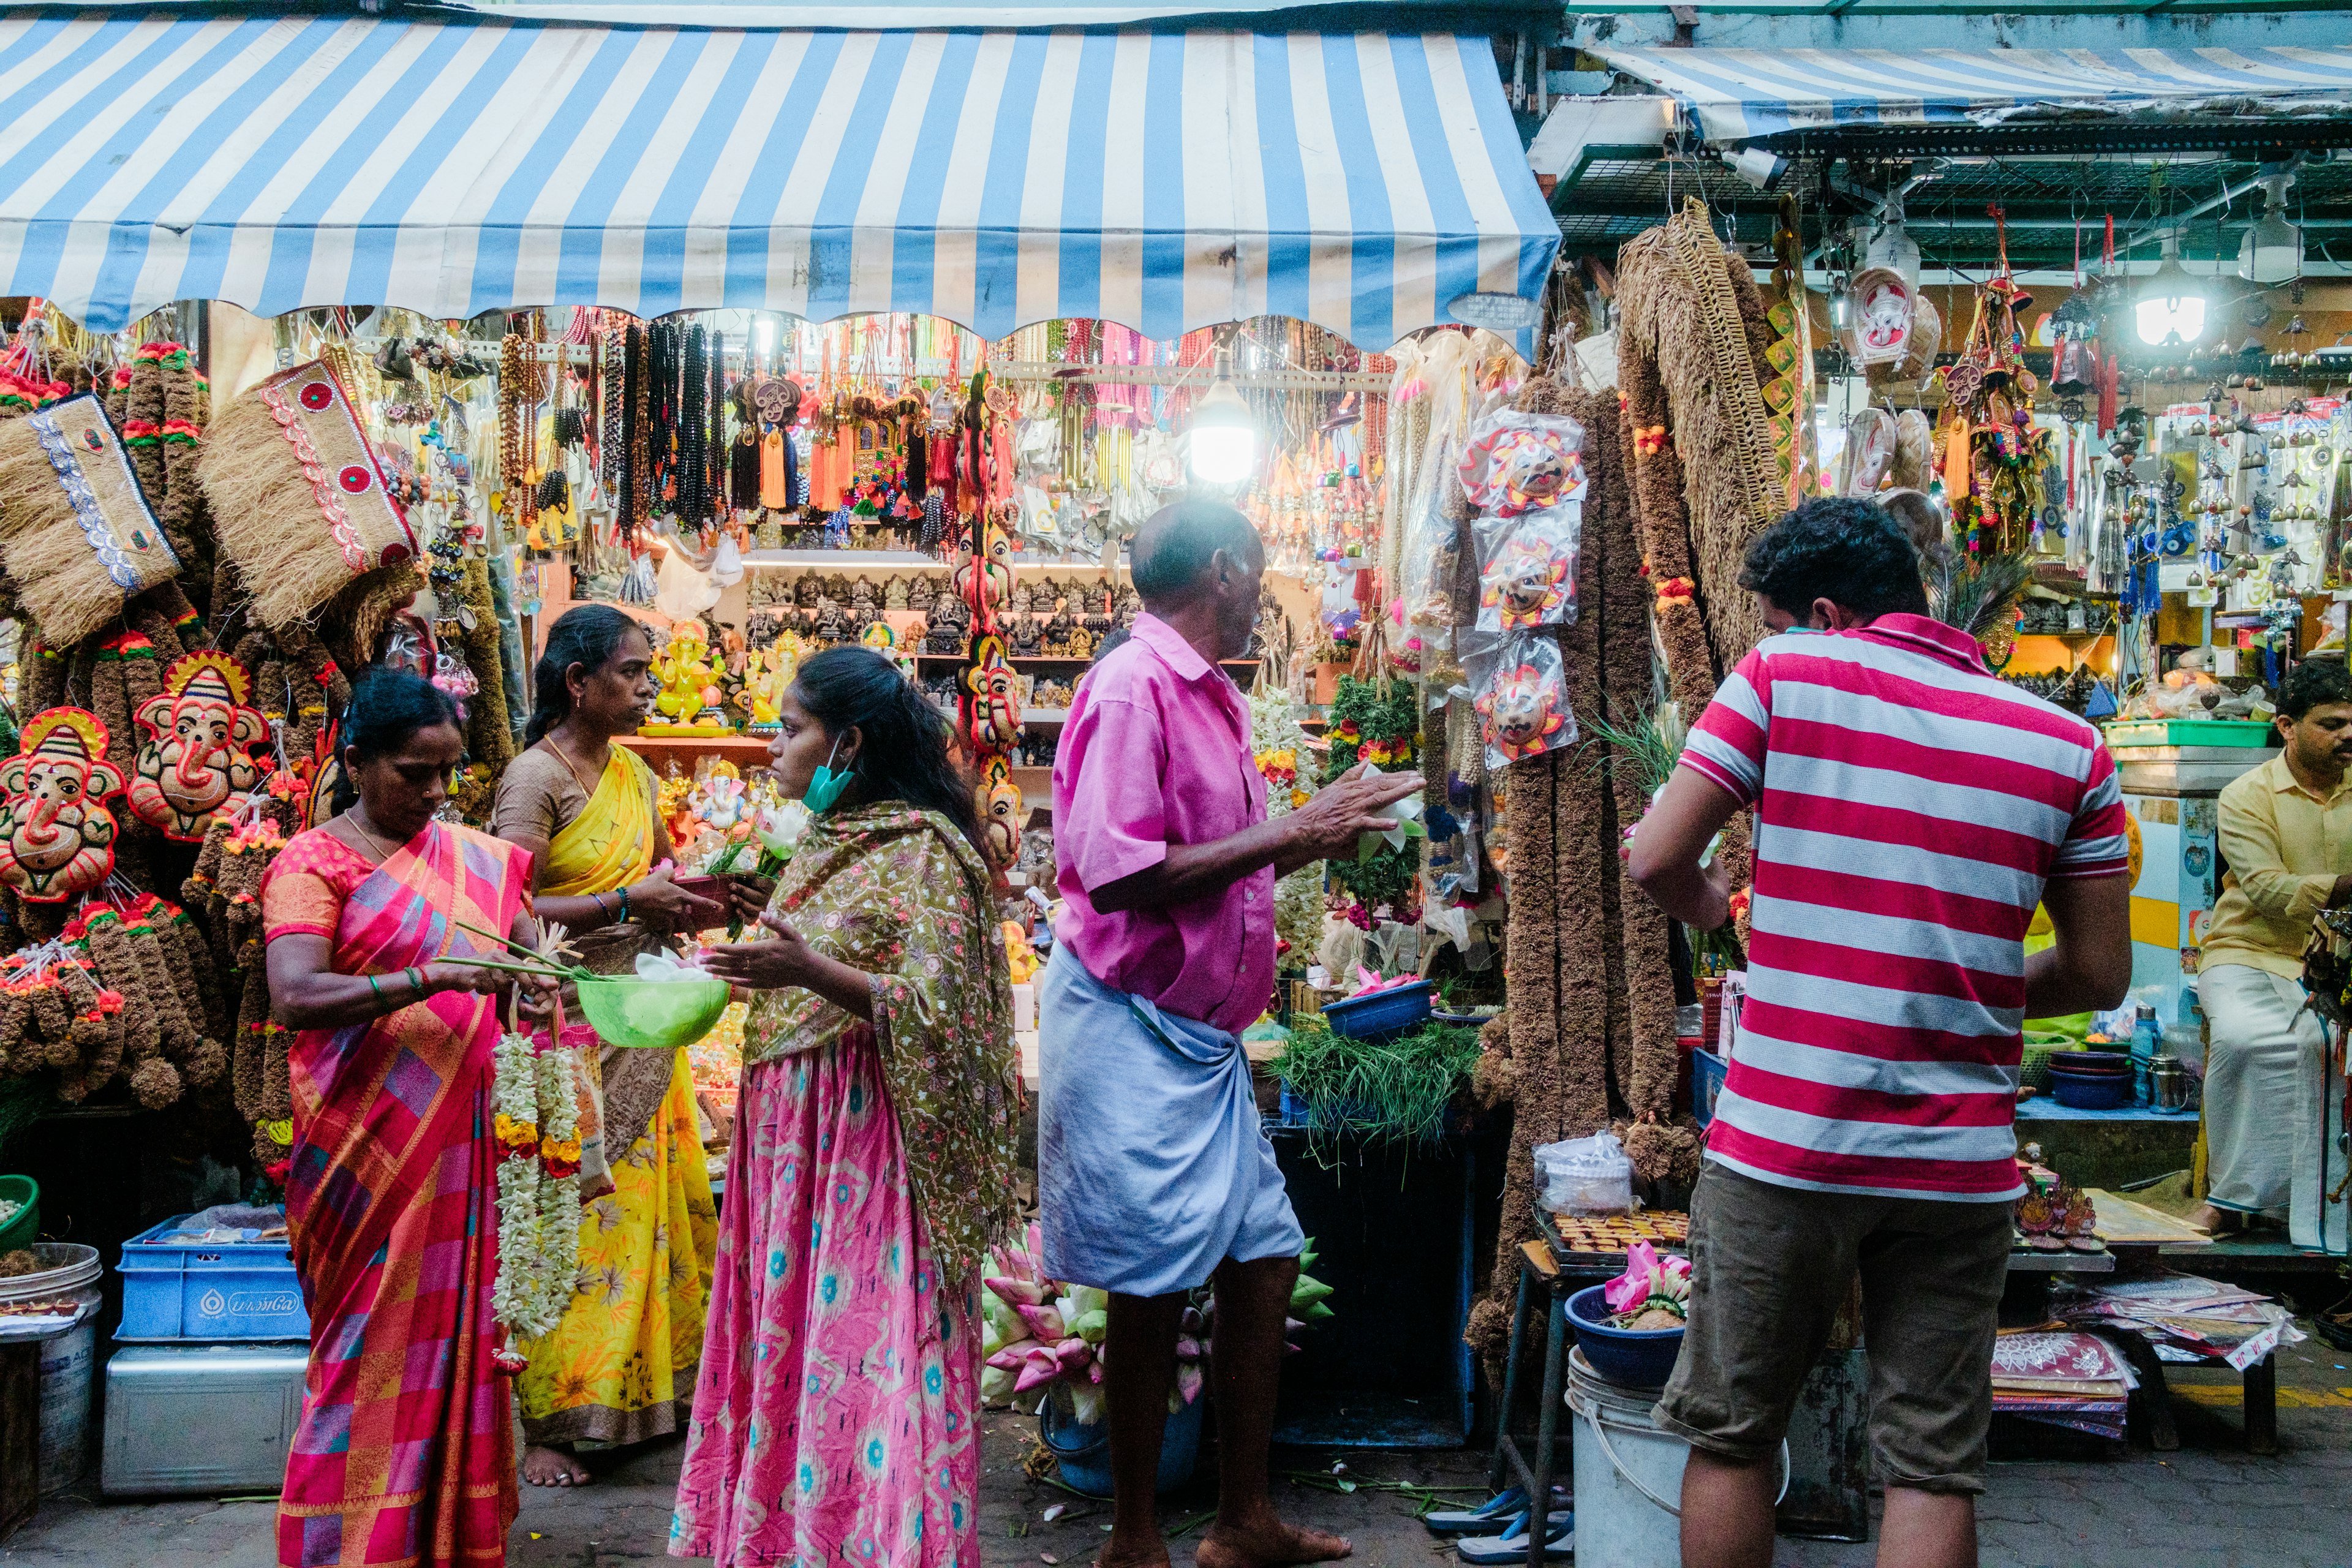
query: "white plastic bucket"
66, 1289
1629, 1475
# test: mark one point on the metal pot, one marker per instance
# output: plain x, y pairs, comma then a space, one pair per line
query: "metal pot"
2169, 1084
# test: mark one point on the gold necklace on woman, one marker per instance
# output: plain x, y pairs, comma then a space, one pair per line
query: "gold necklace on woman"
563, 757
373, 842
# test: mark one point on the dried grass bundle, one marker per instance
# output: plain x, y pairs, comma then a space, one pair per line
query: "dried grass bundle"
296, 496
75, 535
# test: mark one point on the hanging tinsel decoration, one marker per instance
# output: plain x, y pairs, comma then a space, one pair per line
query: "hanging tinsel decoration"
714, 446
611, 382
635, 396
514, 465
694, 431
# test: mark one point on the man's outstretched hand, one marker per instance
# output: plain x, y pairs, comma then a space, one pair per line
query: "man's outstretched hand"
1339, 813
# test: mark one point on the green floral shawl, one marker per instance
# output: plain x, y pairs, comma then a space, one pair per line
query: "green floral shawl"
900, 894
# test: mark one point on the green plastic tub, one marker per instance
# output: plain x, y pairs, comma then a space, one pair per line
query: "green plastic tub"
2191, 732
652, 1014
26, 1223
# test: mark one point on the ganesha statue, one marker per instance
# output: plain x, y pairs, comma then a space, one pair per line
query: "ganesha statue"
57, 836
197, 754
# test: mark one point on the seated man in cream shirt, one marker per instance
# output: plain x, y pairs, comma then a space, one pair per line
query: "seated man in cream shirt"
2274, 1088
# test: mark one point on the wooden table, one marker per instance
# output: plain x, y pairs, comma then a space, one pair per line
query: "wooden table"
2139, 1233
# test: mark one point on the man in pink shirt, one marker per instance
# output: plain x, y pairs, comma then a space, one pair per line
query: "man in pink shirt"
1153, 1173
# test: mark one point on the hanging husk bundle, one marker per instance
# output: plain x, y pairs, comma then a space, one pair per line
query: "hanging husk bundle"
296, 495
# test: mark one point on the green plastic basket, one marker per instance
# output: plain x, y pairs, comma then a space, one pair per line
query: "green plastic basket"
652, 1014
26, 1224
2039, 1045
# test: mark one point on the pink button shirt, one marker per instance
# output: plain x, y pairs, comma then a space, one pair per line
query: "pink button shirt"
1157, 752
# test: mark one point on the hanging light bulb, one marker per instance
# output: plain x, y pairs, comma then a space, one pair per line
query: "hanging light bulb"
1223, 448
1892, 246
2168, 303
2271, 251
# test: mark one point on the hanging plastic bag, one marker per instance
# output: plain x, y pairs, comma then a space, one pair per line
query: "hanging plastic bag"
1516, 462
1430, 565
1527, 565
1522, 686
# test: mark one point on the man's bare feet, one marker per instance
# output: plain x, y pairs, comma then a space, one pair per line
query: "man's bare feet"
1268, 1544
1149, 1552
2208, 1219
551, 1468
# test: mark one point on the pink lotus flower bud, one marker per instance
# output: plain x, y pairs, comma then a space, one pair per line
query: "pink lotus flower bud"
1015, 1292
1189, 1380
1045, 1323
1073, 1354
1630, 1289
1012, 1356
1041, 1368
1187, 1347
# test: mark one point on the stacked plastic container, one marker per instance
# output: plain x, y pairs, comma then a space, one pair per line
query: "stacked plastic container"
204, 1392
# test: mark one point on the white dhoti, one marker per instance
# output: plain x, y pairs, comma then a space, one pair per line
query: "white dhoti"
2273, 1105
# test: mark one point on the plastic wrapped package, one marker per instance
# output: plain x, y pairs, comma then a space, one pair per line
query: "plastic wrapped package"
1515, 461
1527, 565
1586, 1175
1522, 694
1430, 569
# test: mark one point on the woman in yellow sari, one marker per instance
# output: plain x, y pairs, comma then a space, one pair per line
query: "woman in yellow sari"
620, 1368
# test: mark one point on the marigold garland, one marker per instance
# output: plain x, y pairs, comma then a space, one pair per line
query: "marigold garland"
534, 1099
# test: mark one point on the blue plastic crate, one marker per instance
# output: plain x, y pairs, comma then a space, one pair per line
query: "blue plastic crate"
238, 1290
1707, 1072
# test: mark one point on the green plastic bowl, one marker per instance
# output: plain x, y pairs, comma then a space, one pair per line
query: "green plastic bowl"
652, 1014
20, 1230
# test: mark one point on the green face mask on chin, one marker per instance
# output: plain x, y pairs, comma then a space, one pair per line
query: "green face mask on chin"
826, 787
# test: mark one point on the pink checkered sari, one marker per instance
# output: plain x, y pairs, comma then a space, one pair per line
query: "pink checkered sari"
404, 1454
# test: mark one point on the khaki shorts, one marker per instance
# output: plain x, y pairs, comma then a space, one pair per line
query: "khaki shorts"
1769, 1267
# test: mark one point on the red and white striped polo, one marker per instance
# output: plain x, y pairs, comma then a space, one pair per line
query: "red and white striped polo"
1909, 806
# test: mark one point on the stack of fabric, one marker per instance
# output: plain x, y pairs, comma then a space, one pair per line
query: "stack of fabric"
2066, 1378
2185, 1318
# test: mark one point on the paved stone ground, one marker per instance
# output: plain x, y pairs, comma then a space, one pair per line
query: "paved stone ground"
2211, 1505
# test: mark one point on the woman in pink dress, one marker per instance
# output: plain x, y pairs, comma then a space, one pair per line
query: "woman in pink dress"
835, 1418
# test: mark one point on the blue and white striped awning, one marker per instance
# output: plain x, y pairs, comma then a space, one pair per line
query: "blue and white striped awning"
1740, 95
1166, 181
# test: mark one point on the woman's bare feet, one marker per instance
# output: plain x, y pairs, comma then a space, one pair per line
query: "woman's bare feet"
544, 1467
1267, 1544
2208, 1219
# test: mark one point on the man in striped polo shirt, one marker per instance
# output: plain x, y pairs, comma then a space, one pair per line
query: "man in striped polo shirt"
1910, 811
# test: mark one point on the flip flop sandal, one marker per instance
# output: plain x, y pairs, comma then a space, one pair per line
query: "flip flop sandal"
1468, 1520
1511, 1546
1497, 1512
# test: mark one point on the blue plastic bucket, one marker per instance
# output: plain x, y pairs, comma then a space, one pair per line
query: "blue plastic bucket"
1383, 1014
1635, 1358
1083, 1452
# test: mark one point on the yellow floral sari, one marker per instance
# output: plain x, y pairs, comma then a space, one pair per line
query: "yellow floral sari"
621, 1366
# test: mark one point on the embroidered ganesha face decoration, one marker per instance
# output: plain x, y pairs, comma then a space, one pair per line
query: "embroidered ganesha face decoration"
1519, 711
993, 714
1529, 585
998, 800
200, 736
57, 838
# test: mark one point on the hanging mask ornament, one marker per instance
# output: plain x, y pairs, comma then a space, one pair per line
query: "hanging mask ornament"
1521, 713
57, 838
992, 712
997, 800
1529, 585
197, 754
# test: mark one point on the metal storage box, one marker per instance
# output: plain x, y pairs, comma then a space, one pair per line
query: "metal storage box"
201, 1418
222, 1290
